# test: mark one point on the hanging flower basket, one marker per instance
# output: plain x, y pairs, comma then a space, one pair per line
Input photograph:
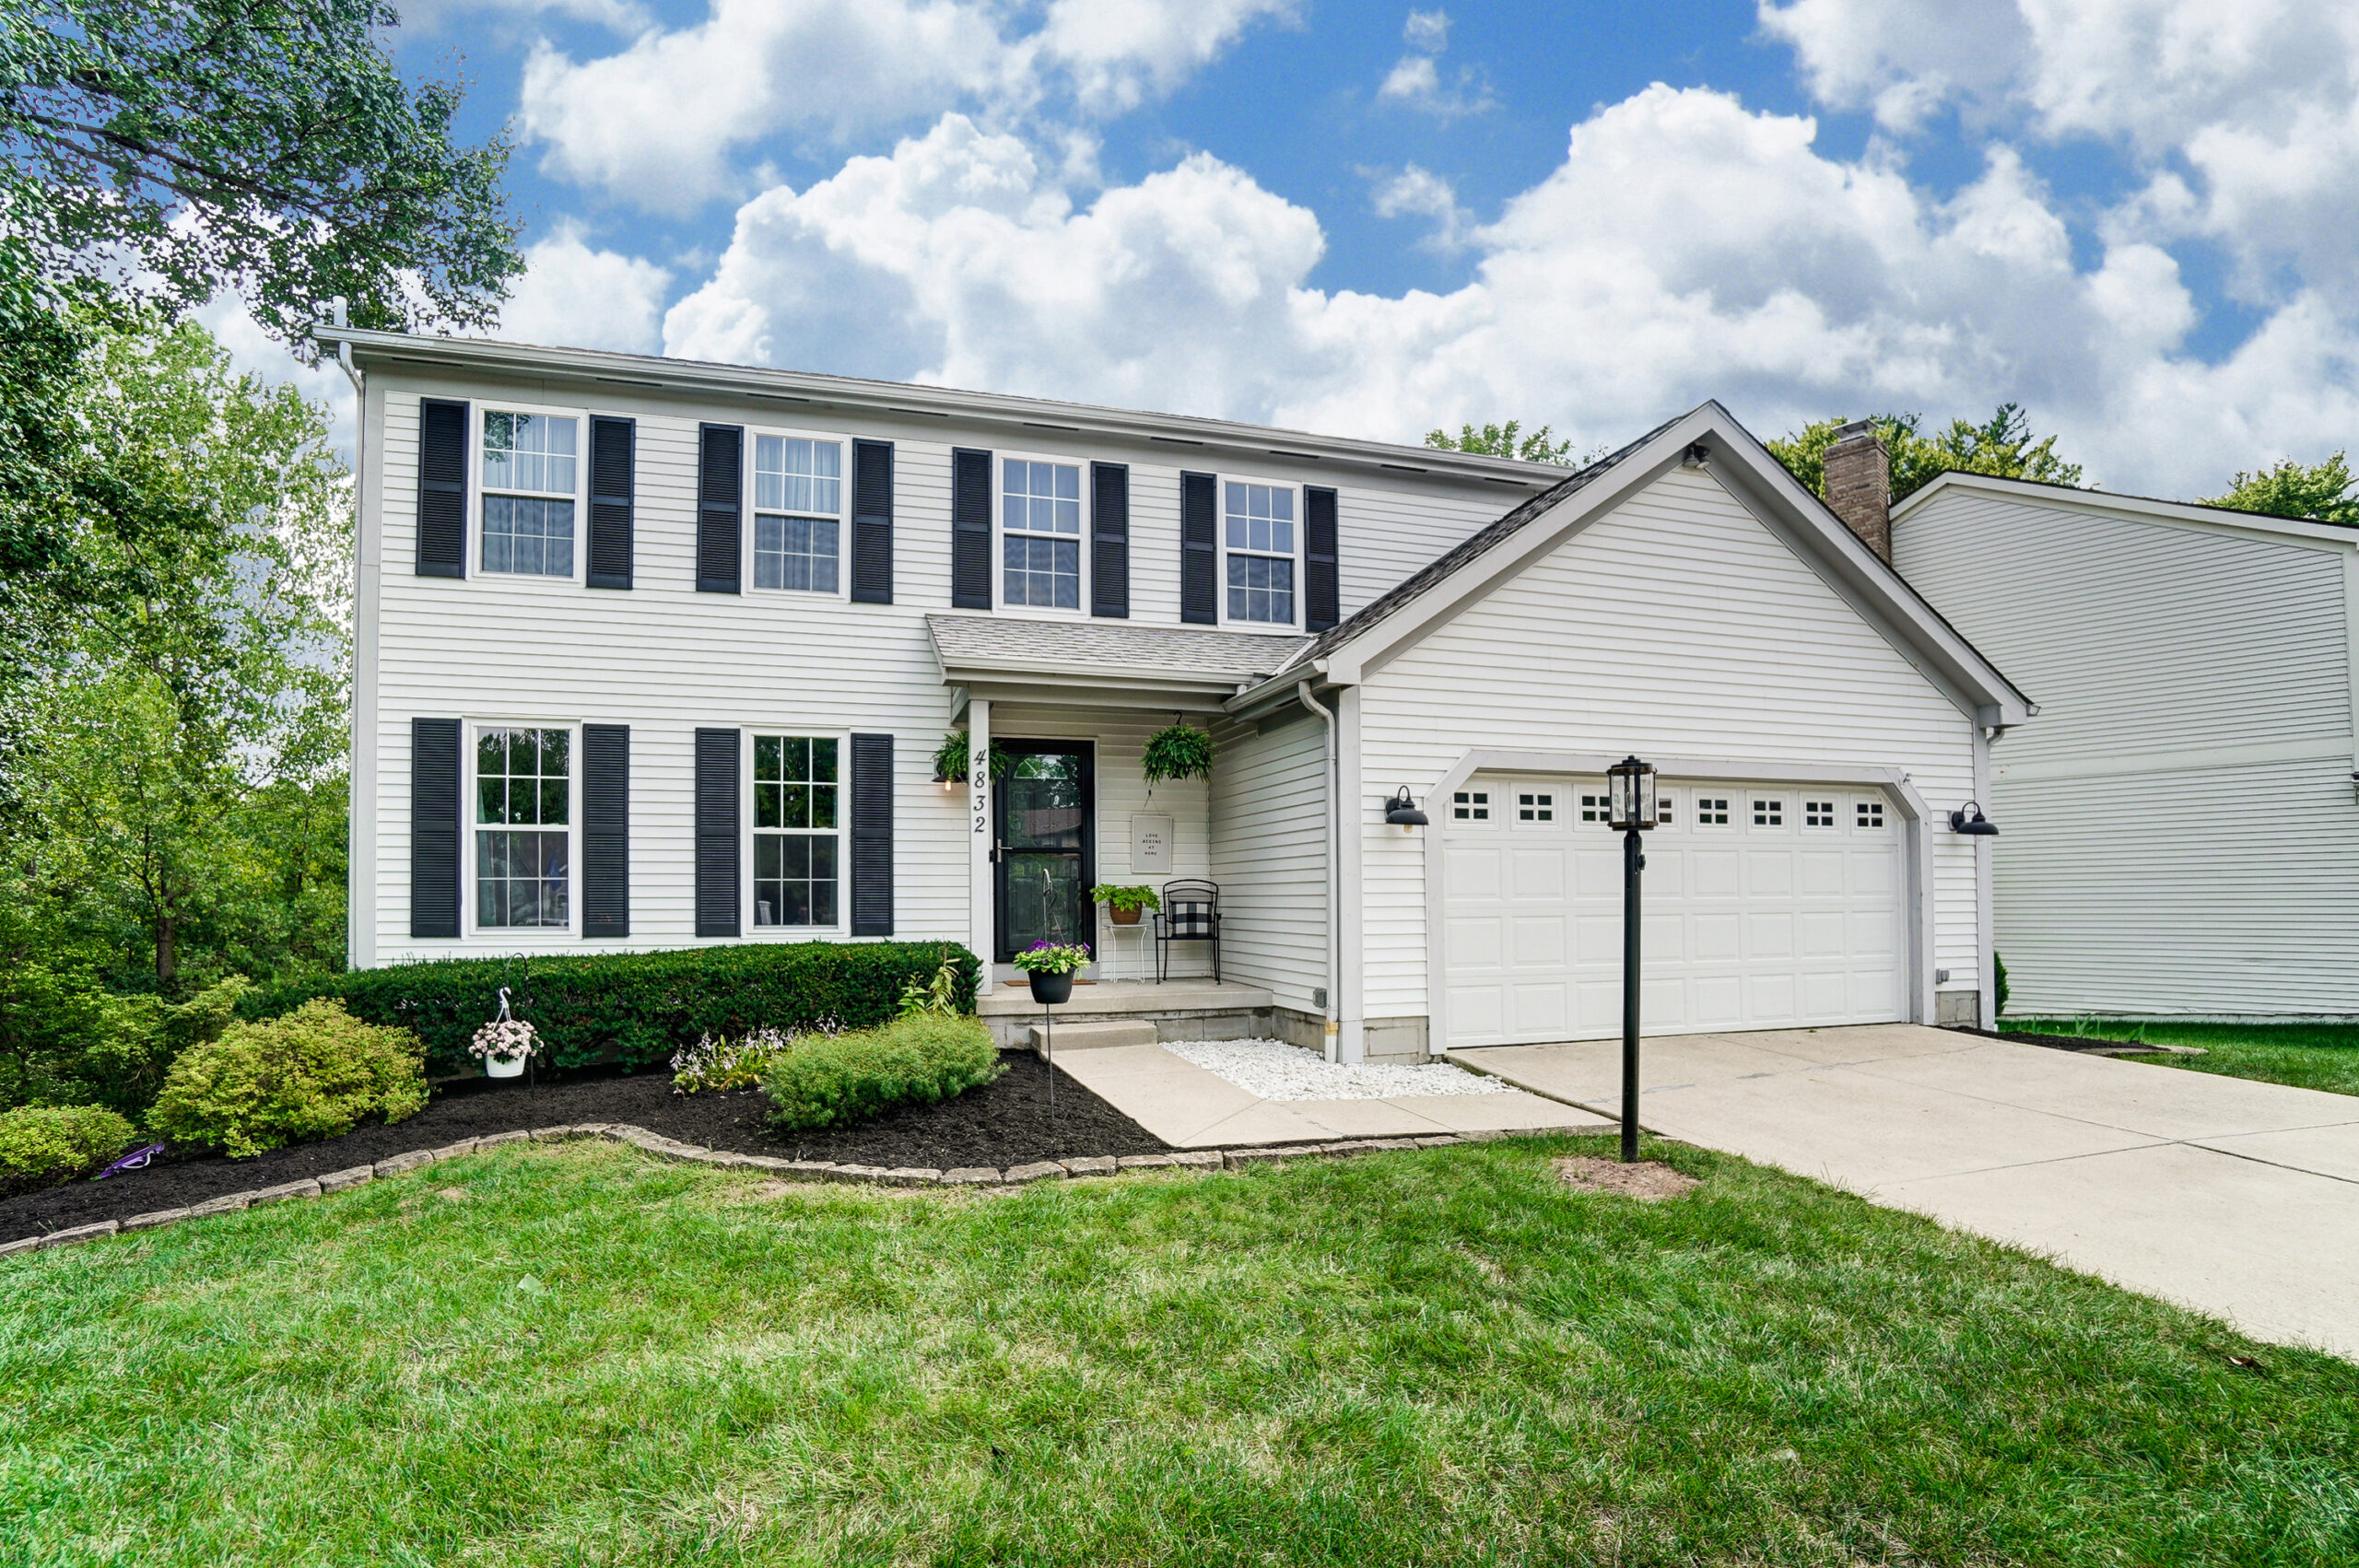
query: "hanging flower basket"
1177, 752
950, 759
505, 1044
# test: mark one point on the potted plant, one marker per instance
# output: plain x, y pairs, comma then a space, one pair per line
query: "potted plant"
505, 1043
1177, 751
1050, 966
1124, 903
953, 757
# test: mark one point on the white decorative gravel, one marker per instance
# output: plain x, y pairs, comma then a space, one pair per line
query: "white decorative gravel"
1276, 1071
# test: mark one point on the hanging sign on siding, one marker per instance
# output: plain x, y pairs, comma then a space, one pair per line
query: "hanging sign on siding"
1150, 844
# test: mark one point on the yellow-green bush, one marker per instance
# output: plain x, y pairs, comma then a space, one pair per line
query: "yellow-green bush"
315, 1072
835, 1080
43, 1145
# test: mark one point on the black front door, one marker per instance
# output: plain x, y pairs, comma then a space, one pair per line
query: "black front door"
1046, 811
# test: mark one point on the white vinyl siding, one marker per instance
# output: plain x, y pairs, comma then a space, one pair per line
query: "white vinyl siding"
1269, 844
1675, 625
2178, 831
497, 647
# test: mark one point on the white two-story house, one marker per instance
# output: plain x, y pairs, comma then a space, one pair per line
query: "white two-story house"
653, 654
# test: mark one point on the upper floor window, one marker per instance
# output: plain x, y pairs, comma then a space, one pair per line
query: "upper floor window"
798, 512
528, 491
795, 833
1040, 534
523, 804
1259, 525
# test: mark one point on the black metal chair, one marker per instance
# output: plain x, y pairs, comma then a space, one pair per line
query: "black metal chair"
1191, 912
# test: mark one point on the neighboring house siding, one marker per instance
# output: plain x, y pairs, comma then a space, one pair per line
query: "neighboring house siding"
2177, 829
664, 659
1270, 857
1677, 624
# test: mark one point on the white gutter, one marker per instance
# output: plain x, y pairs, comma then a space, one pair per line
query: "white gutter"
1335, 872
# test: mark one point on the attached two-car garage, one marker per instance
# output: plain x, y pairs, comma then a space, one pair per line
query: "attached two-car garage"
1767, 905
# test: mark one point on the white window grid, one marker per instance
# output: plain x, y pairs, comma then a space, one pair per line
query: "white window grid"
1711, 811
1597, 808
543, 827
1768, 811
1818, 813
1260, 533
1043, 557
1470, 806
797, 852
1869, 814
1535, 805
530, 464
1666, 808
799, 489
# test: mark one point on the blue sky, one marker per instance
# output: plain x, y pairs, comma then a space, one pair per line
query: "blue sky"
2132, 216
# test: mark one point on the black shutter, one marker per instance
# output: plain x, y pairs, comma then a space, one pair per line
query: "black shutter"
434, 828
606, 830
1199, 549
970, 529
717, 832
612, 458
441, 490
871, 836
720, 488
871, 522
1109, 539
1322, 589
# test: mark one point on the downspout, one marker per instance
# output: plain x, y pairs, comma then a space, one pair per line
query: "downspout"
1334, 869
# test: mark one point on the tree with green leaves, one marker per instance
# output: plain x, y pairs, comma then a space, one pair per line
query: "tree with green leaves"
2319, 491
1505, 440
2002, 446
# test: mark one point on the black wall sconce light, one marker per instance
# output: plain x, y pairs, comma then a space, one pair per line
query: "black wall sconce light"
1403, 811
1974, 825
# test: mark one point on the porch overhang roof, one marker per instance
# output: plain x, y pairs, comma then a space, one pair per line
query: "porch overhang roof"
1102, 663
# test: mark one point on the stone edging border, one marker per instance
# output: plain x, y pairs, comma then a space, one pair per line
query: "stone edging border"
801, 1170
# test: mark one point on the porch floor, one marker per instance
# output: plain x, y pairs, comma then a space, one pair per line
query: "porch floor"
1129, 998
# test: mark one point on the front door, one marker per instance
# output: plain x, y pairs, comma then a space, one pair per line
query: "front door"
1046, 810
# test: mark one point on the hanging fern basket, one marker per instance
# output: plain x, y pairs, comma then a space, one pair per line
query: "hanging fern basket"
950, 759
1178, 751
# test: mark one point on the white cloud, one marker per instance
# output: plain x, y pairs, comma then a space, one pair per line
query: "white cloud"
659, 122
582, 298
1684, 249
1420, 193
2245, 117
1416, 81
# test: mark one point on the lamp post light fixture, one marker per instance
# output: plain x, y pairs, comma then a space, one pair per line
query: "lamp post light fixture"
1401, 812
1631, 811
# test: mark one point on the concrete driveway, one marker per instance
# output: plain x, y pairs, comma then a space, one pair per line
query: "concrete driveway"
2237, 1199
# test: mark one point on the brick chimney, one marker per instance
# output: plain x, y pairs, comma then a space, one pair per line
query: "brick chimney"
1859, 484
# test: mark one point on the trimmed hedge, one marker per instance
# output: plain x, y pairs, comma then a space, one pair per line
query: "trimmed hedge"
834, 1080
635, 1008
45, 1146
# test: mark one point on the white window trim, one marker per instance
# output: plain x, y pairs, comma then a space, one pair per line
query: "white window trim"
843, 514
479, 412
1220, 534
471, 731
842, 926
1553, 788
1000, 460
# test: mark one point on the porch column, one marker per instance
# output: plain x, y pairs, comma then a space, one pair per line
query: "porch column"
980, 936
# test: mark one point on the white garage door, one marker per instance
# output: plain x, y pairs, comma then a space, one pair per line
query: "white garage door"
1766, 906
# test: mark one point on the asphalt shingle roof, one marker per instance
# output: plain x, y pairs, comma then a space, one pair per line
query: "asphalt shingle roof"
966, 641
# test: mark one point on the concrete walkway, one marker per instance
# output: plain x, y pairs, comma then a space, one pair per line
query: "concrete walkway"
2237, 1199
1190, 1108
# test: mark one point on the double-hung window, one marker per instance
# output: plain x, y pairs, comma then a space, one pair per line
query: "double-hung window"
796, 848
524, 809
1040, 534
1258, 524
528, 493
798, 512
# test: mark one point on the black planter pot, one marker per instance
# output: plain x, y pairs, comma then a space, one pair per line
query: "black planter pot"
1050, 990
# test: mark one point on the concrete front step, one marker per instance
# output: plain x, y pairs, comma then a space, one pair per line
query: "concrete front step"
1095, 1037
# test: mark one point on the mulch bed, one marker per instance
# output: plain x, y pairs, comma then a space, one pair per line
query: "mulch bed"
2087, 1044
1006, 1122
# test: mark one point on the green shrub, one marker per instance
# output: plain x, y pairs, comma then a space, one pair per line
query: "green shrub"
43, 1145
834, 1080
315, 1072
637, 1009
64, 1040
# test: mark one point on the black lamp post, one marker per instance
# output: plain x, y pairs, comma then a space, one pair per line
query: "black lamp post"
1631, 811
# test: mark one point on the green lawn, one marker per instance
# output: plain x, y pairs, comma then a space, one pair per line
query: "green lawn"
2309, 1056
585, 1356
